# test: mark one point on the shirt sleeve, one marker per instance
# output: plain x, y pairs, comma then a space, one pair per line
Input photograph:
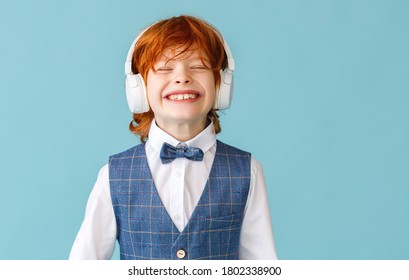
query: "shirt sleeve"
256, 237
97, 235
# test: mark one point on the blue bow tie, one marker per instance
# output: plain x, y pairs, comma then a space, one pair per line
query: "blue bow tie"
168, 153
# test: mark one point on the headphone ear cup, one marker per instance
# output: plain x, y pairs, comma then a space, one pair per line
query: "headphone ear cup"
136, 94
225, 92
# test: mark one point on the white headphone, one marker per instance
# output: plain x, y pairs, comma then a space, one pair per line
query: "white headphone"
136, 90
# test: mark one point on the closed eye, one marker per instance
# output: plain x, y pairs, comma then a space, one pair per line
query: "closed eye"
199, 67
163, 69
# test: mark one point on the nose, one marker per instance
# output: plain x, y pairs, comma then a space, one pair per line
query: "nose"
183, 81
183, 77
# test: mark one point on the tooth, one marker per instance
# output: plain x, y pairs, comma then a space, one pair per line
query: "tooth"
183, 96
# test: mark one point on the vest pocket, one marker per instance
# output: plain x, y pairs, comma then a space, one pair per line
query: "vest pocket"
220, 236
232, 221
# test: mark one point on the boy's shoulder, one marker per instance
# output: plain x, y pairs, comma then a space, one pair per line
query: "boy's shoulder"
231, 149
131, 152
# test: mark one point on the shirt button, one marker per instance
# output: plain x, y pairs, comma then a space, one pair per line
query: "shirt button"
181, 145
177, 217
180, 254
178, 173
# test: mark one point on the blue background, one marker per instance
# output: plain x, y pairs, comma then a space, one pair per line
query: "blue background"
321, 99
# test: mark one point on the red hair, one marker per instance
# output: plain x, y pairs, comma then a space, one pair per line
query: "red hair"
189, 33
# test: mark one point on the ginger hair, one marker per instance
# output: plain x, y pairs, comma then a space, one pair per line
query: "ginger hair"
189, 34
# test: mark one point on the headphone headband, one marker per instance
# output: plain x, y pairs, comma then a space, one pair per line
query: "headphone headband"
128, 62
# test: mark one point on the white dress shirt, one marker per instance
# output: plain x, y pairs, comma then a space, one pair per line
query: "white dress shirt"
177, 184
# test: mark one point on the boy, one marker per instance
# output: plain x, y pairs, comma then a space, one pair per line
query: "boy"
181, 194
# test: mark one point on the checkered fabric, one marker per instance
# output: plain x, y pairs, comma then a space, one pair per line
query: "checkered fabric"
145, 229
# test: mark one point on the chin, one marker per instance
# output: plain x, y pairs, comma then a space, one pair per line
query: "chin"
186, 118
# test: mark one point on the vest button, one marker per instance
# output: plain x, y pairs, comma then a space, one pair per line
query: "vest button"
180, 254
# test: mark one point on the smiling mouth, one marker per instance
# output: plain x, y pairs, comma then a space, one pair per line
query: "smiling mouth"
184, 96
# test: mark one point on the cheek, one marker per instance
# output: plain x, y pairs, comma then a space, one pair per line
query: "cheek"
212, 86
148, 80
151, 86
208, 81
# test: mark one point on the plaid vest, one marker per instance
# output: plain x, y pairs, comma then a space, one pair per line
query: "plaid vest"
145, 229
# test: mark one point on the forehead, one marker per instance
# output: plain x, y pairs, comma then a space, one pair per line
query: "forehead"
180, 52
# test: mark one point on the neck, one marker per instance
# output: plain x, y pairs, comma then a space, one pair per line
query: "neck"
182, 131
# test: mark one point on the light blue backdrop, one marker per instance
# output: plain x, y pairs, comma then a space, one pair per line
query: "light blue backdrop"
321, 99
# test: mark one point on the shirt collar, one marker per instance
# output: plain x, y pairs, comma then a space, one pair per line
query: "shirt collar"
204, 140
